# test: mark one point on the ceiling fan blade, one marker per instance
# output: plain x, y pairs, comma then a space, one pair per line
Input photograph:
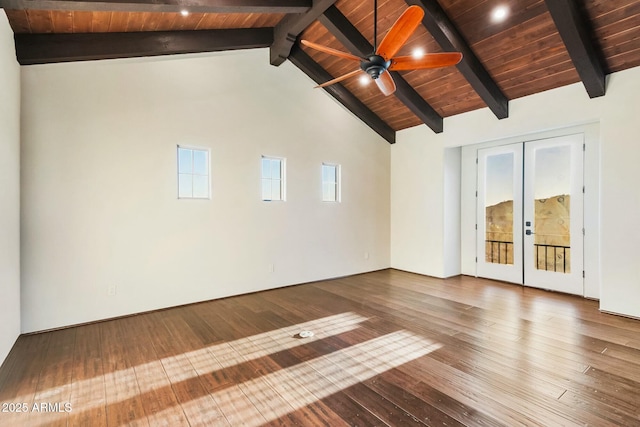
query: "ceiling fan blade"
341, 78
400, 32
330, 51
385, 83
432, 60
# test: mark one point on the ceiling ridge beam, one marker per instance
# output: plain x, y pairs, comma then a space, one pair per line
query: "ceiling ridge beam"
575, 34
290, 27
357, 44
53, 48
447, 35
194, 6
318, 74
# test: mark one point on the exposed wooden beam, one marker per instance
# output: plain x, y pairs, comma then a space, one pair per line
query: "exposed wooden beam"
416, 103
50, 48
447, 35
199, 6
346, 33
357, 44
290, 27
318, 74
575, 33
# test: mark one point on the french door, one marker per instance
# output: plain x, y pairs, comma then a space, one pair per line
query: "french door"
530, 213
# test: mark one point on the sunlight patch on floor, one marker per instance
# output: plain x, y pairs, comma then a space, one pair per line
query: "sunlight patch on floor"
124, 384
278, 393
272, 392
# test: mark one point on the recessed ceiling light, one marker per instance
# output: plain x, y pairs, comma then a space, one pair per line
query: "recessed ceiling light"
184, 12
499, 14
417, 53
364, 79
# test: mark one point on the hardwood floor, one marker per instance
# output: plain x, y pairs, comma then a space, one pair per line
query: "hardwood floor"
389, 348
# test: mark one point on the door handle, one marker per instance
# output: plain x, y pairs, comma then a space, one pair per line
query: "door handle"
529, 232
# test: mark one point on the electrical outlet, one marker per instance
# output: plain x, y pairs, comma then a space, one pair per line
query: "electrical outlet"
271, 268
112, 290
366, 255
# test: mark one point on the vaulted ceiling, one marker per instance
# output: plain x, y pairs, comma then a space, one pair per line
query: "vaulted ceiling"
540, 45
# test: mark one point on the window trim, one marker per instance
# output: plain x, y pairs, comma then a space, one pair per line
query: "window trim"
338, 183
283, 178
208, 175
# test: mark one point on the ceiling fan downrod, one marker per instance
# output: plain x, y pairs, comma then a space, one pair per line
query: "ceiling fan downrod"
375, 26
374, 64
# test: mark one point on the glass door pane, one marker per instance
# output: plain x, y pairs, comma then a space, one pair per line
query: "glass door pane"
552, 216
498, 205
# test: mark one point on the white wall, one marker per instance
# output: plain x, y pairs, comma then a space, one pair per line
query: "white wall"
417, 204
99, 185
9, 190
620, 208
452, 199
619, 236
425, 205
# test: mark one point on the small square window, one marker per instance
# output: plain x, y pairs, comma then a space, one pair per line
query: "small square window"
273, 179
193, 173
330, 182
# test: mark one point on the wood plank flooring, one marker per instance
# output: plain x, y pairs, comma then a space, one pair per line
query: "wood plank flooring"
389, 348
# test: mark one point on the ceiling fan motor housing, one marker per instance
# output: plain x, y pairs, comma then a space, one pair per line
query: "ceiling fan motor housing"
375, 65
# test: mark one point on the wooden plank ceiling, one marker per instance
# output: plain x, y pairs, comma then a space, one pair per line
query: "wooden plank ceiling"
541, 45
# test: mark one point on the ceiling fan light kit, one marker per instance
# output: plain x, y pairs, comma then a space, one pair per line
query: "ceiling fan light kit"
382, 60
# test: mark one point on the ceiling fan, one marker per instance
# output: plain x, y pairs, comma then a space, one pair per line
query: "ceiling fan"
382, 60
